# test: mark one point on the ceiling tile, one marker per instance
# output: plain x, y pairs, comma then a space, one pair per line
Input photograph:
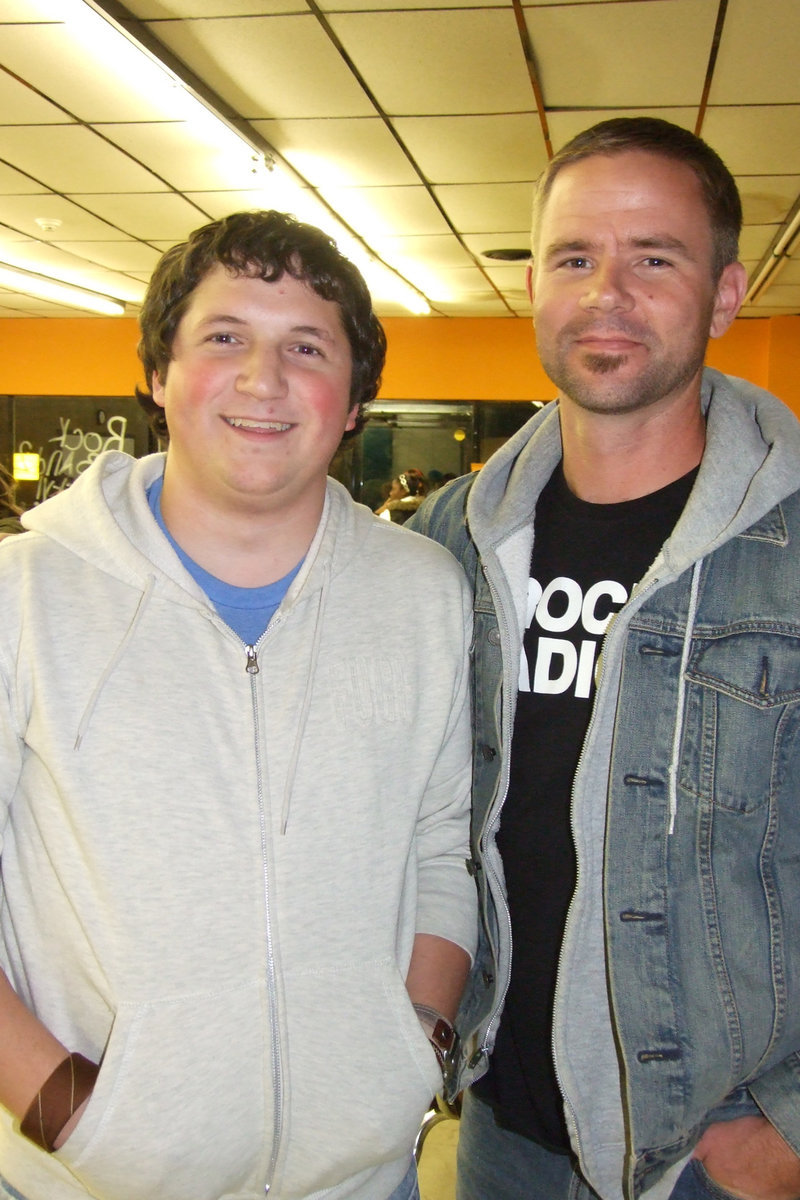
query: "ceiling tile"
46, 56
488, 305
566, 125
22, 106
758, 54
69, 158
380, 211
758, 140
349, 151
20, 212
486, 149
187, 157
12, 182
147, 216
510, 280
153, 10
117, 256
437, 250
280, 66
652, 52
767, 198
755, 240
790, 274
439, 62
484, 208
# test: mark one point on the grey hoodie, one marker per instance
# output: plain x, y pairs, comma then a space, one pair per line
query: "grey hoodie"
212, 874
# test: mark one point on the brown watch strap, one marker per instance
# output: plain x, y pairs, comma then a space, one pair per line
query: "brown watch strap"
61, 1094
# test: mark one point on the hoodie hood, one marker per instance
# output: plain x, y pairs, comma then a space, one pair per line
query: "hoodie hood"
752, 447
105, 519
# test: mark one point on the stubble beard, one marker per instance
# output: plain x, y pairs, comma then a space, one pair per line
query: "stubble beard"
591, 384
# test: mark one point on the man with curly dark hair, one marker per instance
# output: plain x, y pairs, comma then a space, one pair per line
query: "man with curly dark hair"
236, 917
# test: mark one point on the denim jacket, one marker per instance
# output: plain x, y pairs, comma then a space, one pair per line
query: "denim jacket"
678, 996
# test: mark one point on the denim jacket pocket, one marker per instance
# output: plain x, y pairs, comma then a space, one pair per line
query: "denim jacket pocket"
740, 683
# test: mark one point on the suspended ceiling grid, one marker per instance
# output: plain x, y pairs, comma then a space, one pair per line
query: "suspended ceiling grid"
422, 123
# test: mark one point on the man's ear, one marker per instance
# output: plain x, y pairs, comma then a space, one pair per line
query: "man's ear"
352, 417
731, 291
529, 281
157, 388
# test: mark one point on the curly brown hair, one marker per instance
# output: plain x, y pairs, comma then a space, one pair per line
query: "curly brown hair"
265, 245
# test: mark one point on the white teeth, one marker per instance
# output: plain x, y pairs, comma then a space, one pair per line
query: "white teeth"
241, 423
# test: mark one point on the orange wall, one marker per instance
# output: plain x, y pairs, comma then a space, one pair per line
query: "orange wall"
784, 360
428, 359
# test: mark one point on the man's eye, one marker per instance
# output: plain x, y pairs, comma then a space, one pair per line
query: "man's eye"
305, 348
576, 264
656, 262
222, 339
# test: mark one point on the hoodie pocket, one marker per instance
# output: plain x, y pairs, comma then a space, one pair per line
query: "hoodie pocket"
361, 1072
178, 1111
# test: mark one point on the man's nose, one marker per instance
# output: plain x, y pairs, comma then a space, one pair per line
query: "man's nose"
607, 289
262, 373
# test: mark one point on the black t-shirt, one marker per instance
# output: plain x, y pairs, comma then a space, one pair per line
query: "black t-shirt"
586, 559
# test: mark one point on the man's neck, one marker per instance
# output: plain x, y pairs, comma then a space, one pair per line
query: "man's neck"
609, 458
241, 546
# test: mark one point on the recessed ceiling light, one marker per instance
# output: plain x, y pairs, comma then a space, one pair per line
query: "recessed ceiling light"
507, 255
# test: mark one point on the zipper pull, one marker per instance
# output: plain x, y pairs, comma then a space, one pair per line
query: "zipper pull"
251, 666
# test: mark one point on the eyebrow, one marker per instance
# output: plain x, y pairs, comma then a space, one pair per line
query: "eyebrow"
230, 319
657, 241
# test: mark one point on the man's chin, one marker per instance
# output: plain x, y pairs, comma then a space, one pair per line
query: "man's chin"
604, 364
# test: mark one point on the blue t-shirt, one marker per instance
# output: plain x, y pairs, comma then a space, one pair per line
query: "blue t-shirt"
248, 611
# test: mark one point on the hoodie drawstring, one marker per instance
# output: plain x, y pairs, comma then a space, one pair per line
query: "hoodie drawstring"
309, 688
679, 715
115, 658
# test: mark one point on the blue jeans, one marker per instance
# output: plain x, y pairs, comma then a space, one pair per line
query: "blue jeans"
409, 1188
694, 1183
495, 1164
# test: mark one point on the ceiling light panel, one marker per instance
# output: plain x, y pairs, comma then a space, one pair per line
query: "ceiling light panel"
341, 152
190, 155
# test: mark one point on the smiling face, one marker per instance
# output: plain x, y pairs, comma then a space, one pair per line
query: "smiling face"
256, 395
622, 285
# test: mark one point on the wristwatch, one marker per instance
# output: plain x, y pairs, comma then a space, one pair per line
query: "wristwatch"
440, 1033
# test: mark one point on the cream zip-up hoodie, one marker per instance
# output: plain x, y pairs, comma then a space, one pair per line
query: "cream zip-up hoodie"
215, 858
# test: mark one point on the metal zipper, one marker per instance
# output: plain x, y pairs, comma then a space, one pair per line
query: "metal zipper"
252, 669
491, 827
581, 758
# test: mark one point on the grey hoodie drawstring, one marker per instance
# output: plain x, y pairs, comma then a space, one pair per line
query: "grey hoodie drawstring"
678, 731
301, 724
117, 655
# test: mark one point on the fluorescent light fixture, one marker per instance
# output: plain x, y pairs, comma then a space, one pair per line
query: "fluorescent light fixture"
776, 257
101, 38
17, 280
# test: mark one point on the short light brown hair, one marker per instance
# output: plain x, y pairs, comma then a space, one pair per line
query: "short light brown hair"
654, 136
